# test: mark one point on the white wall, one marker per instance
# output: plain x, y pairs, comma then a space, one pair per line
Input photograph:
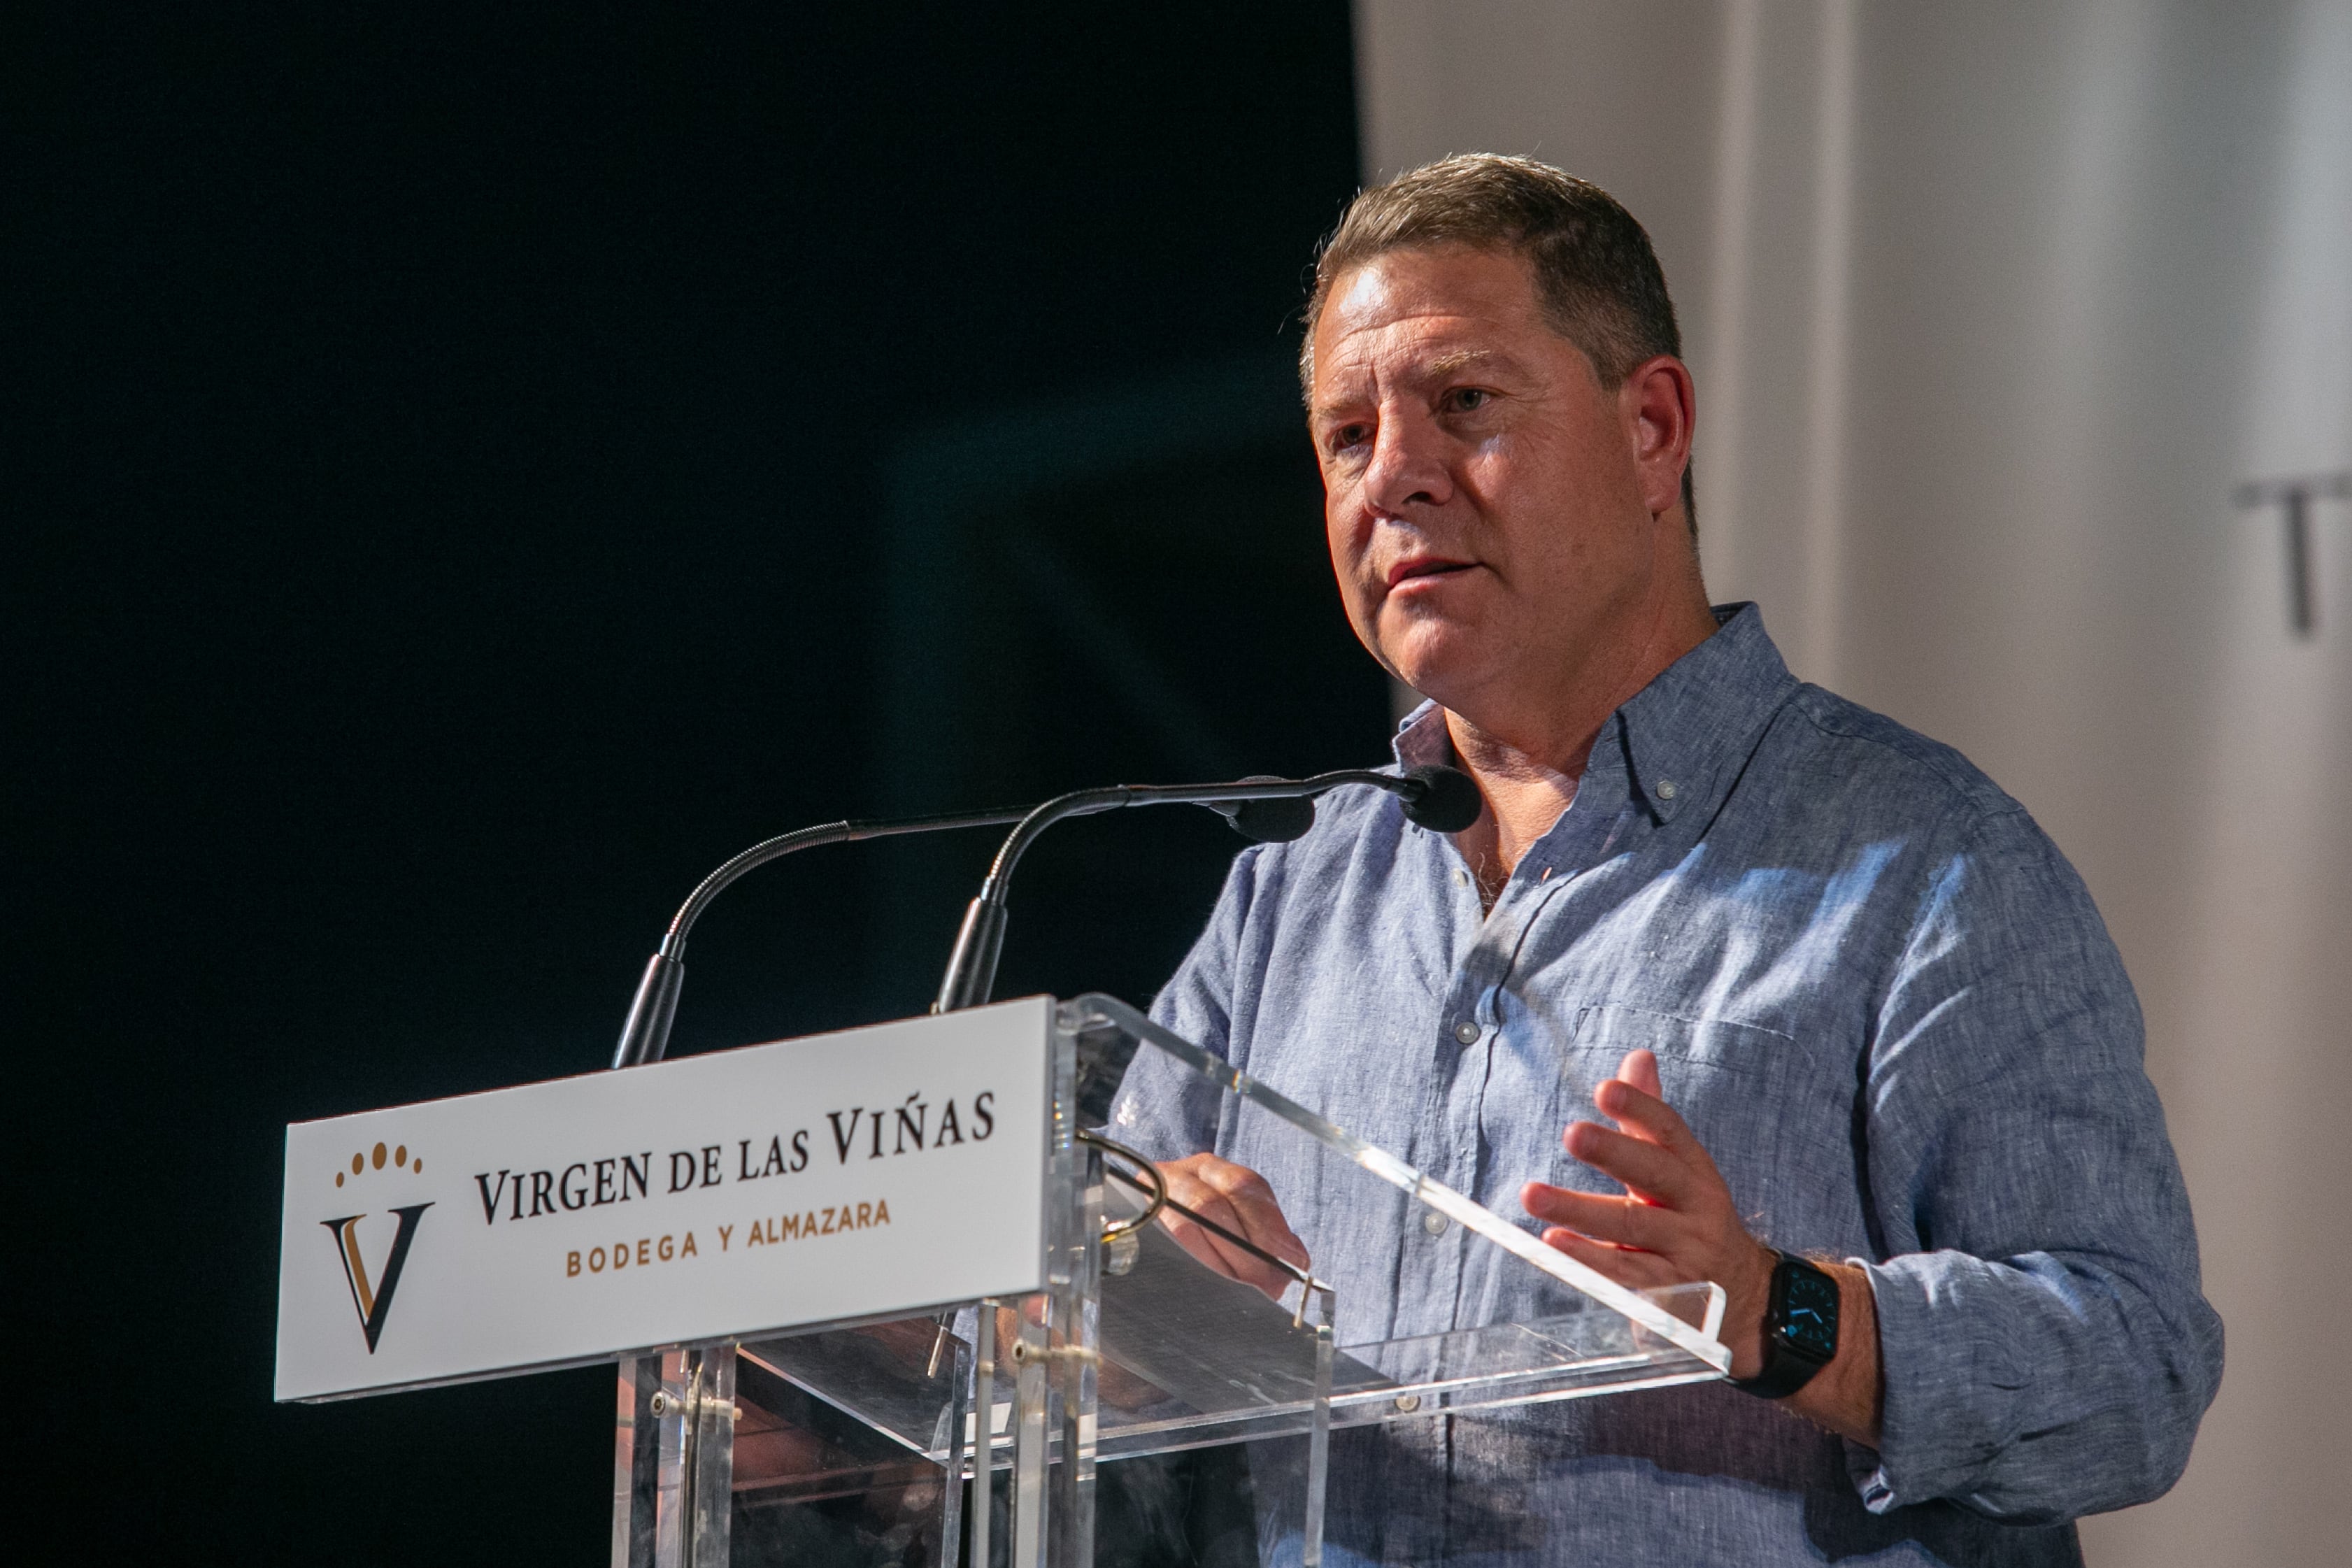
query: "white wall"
1991, 307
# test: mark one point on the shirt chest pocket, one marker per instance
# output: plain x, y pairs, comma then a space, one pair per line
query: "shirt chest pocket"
1773, 1113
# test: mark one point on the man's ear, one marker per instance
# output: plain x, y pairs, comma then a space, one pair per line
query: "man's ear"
1662, 408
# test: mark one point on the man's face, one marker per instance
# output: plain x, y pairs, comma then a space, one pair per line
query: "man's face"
1487, 501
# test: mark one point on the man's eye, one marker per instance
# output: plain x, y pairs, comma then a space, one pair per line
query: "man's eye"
1347, 436
1464, 399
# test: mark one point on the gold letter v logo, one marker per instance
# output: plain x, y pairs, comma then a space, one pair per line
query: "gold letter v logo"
373, 1302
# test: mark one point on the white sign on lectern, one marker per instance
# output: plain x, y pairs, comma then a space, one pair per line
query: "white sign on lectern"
872, 1172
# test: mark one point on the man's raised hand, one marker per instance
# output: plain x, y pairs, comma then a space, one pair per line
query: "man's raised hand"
1675, 1222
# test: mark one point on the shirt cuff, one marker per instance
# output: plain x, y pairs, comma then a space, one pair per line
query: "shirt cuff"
1949, 1376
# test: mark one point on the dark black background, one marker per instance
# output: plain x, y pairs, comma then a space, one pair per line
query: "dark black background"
446, 481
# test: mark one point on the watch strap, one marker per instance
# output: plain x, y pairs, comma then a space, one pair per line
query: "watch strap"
1785, 1372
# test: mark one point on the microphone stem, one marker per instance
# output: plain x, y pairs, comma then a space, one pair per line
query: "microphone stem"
674, 941
971, 967
644, 1036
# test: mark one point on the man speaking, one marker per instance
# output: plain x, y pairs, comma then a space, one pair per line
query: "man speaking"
1733, 979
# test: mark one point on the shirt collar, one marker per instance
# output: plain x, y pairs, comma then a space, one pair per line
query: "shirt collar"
1674, 737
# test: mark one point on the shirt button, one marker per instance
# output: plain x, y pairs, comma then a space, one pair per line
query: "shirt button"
1432, 1222
1461, 877
1466, 1032
1668, 789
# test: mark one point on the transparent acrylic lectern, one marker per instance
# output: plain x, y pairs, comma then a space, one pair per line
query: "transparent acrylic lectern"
974, 1433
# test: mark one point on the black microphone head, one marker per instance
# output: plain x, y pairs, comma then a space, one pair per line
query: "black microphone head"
1277, 821
1273, 821
1447, 801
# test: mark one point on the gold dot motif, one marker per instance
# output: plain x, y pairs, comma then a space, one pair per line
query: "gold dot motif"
398, 1158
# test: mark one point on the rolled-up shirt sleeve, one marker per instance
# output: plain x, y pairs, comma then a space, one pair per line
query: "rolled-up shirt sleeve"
2048, 1350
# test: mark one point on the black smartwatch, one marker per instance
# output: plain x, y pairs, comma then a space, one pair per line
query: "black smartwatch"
1801, 1330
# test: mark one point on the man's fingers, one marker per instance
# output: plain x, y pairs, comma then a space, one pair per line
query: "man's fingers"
1640, 1068
1640, 1271
1257, 1215
1676, 1220
1211, 1248
1625, 1221
1662, 1175
1644, 1114
1227, 1260
1238, 1199
1259, 1223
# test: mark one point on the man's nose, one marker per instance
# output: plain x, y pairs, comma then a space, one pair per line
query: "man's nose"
1408, 471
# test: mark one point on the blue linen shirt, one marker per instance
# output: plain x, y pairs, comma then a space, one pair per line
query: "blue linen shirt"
1884, 1002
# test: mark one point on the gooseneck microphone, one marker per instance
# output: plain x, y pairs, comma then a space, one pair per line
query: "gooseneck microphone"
1442, 799
645, 1035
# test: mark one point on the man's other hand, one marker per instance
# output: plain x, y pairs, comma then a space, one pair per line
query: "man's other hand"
1673, 1223
1236, 1198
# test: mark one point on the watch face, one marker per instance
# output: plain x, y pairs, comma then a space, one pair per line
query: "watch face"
1808, 1312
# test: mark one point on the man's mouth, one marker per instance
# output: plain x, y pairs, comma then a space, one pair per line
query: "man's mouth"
1423, 568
